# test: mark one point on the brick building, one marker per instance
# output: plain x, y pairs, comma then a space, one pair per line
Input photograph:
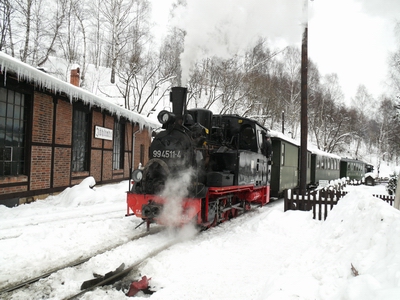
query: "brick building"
54, 134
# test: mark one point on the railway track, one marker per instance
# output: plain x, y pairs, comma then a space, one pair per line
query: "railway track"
17, 231
41, 289
14, 287
58, 217
120, 274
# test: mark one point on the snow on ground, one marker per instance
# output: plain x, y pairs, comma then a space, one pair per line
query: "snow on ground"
265, 254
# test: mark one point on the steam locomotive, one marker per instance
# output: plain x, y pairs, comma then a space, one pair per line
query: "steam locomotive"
203, 168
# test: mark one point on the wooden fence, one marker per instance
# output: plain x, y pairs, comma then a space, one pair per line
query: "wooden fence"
320, 202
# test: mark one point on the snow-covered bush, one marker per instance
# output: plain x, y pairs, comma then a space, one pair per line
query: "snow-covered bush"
392, 184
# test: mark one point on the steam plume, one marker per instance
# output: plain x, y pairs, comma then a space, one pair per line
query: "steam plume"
221, 28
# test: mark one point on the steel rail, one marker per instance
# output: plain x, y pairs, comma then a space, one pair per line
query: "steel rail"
24, 283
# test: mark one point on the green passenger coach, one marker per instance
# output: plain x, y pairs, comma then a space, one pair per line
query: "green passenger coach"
352, 168
284, 169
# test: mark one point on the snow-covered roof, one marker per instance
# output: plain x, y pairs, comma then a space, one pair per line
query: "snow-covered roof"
310, 147
280, 135
43, 80
315, 150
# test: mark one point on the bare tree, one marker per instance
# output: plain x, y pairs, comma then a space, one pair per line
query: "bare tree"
330, 122
218, 81
97, 36
394, 67
140, 82
81, 16
40, 21
6, 13
69, 39
125, 22
288, 86
260, 80
170, 52
363, 101
24, 8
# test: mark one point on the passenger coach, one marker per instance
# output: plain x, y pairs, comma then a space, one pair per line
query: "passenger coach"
353, 169
324, 166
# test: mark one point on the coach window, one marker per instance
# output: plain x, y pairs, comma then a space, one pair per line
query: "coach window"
12, 132
283, 155
80, 139
118, 146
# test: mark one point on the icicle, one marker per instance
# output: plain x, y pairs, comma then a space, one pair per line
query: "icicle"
43, 80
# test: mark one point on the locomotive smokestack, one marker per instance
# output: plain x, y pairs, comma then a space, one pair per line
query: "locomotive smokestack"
178, 98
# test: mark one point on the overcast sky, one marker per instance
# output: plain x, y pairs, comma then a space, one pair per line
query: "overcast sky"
352, 38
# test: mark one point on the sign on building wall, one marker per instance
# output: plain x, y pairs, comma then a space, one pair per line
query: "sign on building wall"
103, 133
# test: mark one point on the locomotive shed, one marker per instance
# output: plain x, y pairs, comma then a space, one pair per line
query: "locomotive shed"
58, 134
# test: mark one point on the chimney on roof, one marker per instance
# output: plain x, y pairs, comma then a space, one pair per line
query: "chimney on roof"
75, 77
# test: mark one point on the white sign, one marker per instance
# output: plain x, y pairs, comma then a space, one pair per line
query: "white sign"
323, 183
103, 133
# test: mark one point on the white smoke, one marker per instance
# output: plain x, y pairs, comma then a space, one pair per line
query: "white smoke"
225, 27
176, 189
385, 9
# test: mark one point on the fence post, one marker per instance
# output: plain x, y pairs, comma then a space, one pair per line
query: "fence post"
285, 200
397, 197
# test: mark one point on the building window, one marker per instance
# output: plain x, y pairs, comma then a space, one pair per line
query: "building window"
118, 147
80, 140
12, 132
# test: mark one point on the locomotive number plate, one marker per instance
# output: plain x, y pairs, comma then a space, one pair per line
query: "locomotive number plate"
167, 153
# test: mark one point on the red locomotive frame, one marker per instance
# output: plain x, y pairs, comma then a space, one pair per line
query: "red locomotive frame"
230, 202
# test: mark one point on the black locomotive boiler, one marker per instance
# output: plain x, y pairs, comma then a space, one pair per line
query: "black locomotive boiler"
202, 168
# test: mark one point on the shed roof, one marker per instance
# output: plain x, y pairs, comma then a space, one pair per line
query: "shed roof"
26, 72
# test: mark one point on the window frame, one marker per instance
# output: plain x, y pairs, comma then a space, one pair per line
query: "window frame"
118, 145
80, 138
15, 113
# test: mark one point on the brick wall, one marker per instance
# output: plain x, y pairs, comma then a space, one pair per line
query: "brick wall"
107, 165
95, 164
40, 167
64, 123
142, 138
63, 136
62, 166
97, 120
42, 132
13, 189
42, 127
108, 123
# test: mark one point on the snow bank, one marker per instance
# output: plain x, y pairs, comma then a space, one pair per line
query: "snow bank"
361, 231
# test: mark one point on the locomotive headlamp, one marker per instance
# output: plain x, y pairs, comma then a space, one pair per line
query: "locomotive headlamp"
137, 175
165, 116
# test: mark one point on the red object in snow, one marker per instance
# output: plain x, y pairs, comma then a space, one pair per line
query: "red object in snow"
137, 286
